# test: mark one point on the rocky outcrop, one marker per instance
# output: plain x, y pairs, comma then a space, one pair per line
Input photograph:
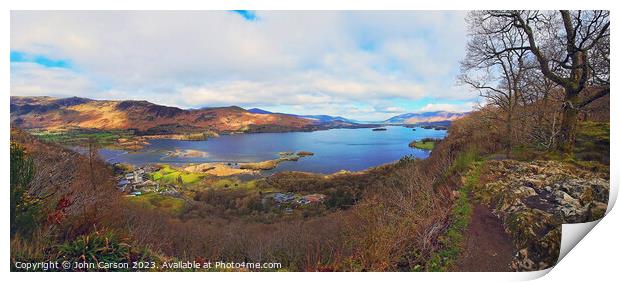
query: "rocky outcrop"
533, 199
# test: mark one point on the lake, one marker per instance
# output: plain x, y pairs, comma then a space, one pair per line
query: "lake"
334, 149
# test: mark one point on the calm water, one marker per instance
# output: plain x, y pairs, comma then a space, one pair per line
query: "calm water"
334, 150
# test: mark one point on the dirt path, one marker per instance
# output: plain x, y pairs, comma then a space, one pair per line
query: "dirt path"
487, 247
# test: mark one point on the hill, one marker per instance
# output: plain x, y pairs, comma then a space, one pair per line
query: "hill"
468, 206
425, 117
316, 118
327, 118
259, 111
145, 117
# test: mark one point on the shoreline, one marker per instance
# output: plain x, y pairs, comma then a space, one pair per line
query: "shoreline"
130, 141
182, 156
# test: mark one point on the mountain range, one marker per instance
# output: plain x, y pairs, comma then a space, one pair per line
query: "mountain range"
318, 118
424, 117
148, 118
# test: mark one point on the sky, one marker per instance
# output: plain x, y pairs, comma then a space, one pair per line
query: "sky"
363, 65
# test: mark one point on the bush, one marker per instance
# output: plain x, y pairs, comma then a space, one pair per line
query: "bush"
25, 209
338, 198
452, 240
96, 247
99, 247
464, 160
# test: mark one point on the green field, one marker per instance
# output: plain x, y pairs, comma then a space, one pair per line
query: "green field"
234, 183
169, 175
424, 145
157, 201
81, 137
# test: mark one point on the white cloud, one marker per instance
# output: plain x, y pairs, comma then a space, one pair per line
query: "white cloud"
459, 108
317, 60
393, 110
31, 79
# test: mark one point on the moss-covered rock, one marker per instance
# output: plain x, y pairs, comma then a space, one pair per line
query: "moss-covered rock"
534, 199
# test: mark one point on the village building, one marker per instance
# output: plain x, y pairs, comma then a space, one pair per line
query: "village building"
283, 197
312, 198
136, 181
122, 185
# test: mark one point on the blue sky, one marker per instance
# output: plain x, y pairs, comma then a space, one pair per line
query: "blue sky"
248, 15
20, 57
357, 64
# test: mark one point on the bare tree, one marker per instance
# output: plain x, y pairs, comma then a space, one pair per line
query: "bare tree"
543, 113
496, 66
572, 50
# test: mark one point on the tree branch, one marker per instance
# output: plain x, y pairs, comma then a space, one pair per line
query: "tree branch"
601, 93
542, 60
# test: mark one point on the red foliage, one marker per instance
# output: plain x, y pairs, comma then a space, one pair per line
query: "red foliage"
56, 216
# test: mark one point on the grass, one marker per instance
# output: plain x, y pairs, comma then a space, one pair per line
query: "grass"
167, 169
452, 240
593, 130
463, 161
591, 150
80, 137
234, 183
169, 175
592, 142
424, 145
157, 201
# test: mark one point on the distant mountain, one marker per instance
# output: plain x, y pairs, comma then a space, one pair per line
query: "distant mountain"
145, 117
259, 111
318, 118
425, 117
326, 118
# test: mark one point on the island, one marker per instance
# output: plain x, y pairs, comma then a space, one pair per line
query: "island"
271, 164
424, 144
187, 153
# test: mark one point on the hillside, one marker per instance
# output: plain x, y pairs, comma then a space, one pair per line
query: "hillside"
316, 118
425, 117
145, 117
466, 207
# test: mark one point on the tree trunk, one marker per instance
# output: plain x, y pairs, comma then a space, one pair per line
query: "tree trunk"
509, 134
568, 128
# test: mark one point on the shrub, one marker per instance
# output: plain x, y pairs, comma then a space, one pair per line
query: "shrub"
99, 247
464, 160
452, 240
30, 249
25, 209
95, 247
